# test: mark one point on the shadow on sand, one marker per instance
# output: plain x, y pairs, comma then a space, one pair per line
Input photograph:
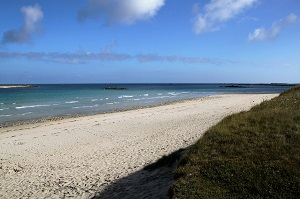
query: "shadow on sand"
154, 181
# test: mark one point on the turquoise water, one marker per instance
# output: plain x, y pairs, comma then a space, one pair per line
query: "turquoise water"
48, 101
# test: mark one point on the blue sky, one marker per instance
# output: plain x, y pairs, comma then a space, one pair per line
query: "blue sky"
149, 41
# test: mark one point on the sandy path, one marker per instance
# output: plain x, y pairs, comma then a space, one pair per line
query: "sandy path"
82, 156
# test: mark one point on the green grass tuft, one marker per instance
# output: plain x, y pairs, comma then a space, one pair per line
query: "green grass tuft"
254, 154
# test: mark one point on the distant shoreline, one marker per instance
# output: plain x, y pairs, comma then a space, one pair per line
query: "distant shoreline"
17, 86
225, 85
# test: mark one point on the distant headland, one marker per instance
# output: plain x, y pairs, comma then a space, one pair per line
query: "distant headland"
18, 86
247, 85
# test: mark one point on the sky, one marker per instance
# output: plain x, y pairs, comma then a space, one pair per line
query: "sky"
149, 41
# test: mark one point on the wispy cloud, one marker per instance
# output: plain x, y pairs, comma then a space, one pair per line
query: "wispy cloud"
108, 48
217, 12
120, 11
84, 57
32, 17
247, 18
262, 34
155, 57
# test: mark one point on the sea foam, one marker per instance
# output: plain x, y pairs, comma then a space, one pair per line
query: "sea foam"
71, 102
32, 106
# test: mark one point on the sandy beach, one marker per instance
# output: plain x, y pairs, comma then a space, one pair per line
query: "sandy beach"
105, 154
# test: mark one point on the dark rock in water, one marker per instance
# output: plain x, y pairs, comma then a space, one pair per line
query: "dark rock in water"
114, 88
234, 86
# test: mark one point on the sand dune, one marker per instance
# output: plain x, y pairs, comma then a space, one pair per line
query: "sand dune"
83, 156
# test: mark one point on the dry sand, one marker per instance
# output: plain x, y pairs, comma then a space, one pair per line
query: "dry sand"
104, 154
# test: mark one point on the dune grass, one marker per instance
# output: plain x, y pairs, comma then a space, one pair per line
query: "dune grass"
254, 154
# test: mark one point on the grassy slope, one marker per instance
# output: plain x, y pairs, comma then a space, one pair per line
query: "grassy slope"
254, 154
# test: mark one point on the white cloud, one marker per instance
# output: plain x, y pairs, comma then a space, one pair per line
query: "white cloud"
258, 34
201, 24
32, 16
120, 11
217, 12
261, 34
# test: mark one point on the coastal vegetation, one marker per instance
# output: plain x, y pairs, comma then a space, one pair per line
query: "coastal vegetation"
254, 154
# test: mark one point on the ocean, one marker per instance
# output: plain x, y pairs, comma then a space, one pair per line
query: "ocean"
50, 101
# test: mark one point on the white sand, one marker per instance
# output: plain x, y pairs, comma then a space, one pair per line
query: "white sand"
83, 156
